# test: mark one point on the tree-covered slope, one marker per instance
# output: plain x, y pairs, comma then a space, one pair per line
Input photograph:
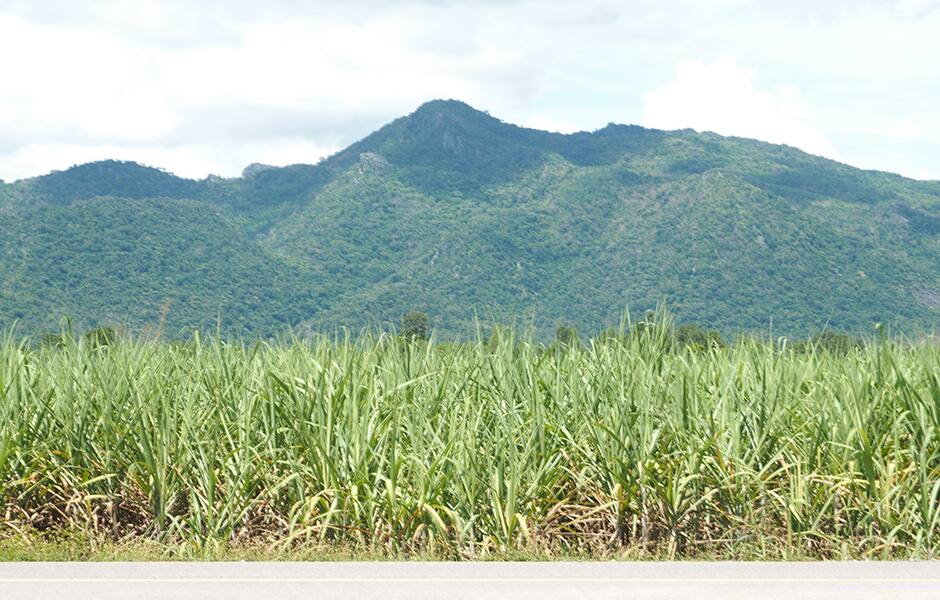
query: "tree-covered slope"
111, 178
451, 211
578, 244
156, 263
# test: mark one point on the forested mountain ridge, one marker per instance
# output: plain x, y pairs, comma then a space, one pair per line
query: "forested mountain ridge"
456, 213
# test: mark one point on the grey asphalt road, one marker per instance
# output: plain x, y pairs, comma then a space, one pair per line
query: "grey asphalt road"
364, 580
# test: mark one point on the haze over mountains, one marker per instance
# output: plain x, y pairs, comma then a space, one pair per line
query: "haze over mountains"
451, 211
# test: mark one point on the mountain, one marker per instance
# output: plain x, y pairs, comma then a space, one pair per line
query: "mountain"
456, 213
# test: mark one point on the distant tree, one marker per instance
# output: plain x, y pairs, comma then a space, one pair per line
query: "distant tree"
610, 335
647, 323
415, 325
101, 337
497, 335
689, 335
565, 335
53, 340
831, 341
654, 331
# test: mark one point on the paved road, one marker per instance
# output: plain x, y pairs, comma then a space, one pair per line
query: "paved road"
273, 581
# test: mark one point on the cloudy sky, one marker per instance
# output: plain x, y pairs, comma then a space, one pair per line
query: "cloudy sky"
209, 87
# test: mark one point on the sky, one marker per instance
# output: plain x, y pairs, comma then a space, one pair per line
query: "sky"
209, 87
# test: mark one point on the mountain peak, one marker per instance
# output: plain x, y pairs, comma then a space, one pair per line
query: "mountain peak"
109, 165
453, 116
449, 105
127, 179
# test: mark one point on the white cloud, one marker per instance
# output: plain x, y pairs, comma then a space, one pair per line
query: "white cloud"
210, 86
722, 97
67, 82
908, 129
75, 92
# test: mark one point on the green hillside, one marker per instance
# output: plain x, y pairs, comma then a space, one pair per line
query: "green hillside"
453, 212
154, 263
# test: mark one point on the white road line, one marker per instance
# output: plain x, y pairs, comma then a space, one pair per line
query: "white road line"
388, 580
